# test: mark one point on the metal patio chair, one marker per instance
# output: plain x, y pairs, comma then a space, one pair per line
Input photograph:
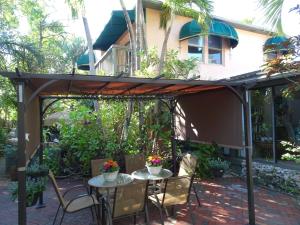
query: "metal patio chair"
176, 192
134, 162
76, 204
96, 164
187, 167
129, 200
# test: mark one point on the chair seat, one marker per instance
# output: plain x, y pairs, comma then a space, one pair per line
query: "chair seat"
169, 199
81, 203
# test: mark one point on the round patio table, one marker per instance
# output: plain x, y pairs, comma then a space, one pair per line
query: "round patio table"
99, 182
143, 174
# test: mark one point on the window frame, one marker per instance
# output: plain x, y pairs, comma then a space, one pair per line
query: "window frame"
217, 49
202, 59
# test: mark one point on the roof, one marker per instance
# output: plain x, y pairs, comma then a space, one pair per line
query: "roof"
91, 85
217, 27
115, 27
156, 4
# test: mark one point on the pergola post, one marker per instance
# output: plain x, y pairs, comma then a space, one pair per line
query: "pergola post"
21, 157
41, 149
248, 149
173, 126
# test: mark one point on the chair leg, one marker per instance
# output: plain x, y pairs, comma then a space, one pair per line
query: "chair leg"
91, 208
161, 215
197, 197
166, 211
134, 219
173, 212
56, 215
189, 209
146, 214
62, 218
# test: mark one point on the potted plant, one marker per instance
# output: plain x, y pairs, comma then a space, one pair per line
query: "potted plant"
34, 187
154, 164
110, 170
10, 152
36, 170
218, 166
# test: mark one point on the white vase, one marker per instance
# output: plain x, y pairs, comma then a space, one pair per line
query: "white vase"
154, 170
110, 176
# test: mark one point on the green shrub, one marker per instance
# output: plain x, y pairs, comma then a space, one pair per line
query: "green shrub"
3, 139
218, 164
81, 137
203, 152
52, 158
33, 188
10, 151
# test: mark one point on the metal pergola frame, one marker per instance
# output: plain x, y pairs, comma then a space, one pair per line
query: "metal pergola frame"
22, 80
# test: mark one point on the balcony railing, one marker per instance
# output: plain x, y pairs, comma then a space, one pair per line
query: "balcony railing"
115, 60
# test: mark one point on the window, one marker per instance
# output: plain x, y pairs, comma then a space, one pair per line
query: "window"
273, 54
195, 48
214, 49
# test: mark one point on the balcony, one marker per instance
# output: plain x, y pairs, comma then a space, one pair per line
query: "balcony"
116, 60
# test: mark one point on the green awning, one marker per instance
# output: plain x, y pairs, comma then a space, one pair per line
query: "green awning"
278, 42
83, 62
113, 30
217, 27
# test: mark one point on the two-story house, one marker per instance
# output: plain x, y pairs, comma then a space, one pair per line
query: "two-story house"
230, 48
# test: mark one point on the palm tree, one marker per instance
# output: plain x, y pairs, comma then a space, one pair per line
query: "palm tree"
77, 6
273, 13
170, 8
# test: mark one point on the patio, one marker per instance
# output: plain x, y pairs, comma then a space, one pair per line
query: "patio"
224, 201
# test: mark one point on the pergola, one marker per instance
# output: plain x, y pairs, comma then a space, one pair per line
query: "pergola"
32, 89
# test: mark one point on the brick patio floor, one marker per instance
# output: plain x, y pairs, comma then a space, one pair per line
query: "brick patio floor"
224, 201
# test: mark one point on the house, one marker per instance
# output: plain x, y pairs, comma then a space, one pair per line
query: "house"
230, 49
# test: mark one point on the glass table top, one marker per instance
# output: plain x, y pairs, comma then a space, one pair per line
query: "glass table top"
143, 174
121, 180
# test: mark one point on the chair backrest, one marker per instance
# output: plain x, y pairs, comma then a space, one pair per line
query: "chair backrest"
59, 195
177, 190
188, 165
134, 162
96, 165
130, 199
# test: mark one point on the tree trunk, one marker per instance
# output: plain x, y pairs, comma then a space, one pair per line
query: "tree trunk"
90, 46
139, 38
164, 46
132, 38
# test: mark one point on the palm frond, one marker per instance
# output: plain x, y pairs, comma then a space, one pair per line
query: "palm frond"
273, 13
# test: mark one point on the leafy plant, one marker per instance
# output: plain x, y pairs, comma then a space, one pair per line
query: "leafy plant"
82, 137
218, 164
33, 188
3, 139
10, 151
37, 170
293, 151
52, 157
203, 152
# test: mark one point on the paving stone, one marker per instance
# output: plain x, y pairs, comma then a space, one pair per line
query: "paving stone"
224, 201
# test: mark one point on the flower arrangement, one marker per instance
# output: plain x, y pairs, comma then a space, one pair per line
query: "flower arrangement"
154, 160
110, 166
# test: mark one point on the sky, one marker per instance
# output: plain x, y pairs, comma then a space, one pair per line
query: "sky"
98, 13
